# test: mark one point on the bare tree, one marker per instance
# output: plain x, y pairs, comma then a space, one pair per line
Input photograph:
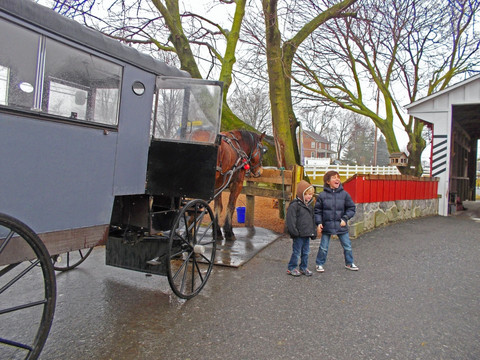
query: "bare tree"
253, 106
401, 48
341, 130
318, 119
280, 55
359, 150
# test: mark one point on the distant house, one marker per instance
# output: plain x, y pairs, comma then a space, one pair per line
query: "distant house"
316, 146
398, 159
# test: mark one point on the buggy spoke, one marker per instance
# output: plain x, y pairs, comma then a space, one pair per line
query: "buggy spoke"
198, 269
6, 241
21, 307
183, 266
210, 226
18, 277
8, 268
15, 344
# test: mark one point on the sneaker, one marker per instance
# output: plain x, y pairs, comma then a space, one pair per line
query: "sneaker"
293, 272
306, 272
352, 267
319, 268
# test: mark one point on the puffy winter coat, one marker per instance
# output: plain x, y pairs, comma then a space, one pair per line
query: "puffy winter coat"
331, 207
300, 218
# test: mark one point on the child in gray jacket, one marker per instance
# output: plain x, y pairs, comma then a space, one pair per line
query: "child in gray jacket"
301, 227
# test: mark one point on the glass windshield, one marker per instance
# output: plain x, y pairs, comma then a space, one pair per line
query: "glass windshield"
187, 110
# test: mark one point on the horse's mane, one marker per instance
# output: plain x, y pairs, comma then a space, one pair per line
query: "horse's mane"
249, 137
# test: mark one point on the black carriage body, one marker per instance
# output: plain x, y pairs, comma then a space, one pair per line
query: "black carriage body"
142, 223
181, 169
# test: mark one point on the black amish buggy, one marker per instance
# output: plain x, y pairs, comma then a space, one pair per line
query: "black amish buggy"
99, 144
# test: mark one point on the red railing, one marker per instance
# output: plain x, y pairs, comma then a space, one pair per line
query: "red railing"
378, 188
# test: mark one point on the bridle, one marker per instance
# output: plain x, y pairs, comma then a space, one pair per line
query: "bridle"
243, 160
260, 150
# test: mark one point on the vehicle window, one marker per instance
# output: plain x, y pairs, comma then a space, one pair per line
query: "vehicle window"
187, 110
79, 85
41, 74
17, 65
4, 79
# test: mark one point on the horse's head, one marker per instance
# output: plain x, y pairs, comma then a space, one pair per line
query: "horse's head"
240, 150
256, 155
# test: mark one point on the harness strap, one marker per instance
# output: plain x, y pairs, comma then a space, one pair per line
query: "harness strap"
241, 155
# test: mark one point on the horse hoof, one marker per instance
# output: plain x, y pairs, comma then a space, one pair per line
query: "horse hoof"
230, 238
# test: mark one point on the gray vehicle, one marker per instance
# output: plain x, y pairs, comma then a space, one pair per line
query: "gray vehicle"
99, 144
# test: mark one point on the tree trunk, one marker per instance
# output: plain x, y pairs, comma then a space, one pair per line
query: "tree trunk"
232, 41
279, 62
415, 147
278, 97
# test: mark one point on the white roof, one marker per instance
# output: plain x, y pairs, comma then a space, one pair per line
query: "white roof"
461, 84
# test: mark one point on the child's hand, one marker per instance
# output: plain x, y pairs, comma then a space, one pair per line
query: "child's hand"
319, 229
343, 223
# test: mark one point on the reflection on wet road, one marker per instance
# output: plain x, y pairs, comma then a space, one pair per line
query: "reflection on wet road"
249, 242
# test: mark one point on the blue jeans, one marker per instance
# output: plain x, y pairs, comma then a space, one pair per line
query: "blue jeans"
325, 242
300, 249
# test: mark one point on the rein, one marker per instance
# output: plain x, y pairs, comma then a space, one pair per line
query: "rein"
241, 155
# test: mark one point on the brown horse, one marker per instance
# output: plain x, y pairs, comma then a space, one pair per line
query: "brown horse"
239, 155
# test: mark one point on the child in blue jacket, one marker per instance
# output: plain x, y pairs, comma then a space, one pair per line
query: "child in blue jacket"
333, 208
301, 227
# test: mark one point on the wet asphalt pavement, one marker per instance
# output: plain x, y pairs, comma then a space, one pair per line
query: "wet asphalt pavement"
416, 296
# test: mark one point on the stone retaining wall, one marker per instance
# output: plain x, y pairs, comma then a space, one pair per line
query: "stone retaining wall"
373, 215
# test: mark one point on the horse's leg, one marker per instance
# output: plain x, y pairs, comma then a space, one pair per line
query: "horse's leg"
235, 189
218, 212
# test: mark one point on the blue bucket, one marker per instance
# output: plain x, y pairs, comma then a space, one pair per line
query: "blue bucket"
241, 214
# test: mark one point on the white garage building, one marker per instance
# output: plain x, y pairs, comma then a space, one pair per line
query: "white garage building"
453, 114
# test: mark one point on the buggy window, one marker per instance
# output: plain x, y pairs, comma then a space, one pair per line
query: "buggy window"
41, 74
187, 110
79, 85
17, 65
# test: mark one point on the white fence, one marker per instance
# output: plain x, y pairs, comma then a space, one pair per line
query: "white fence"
345, 171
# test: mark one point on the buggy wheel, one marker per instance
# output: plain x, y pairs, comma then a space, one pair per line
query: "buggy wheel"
191, 251
70, 260
27, 291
